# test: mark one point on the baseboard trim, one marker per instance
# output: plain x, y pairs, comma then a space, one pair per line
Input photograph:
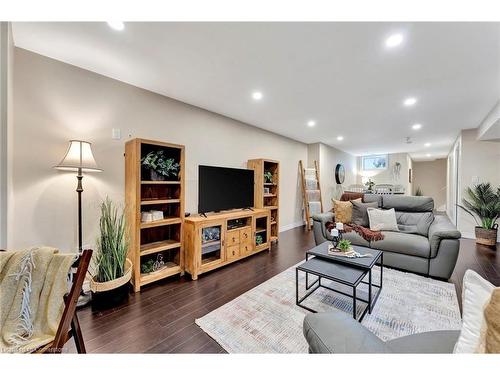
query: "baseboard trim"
291, 226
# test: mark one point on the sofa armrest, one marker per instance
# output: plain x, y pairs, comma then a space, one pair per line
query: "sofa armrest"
440, 229
337, 332
320, 233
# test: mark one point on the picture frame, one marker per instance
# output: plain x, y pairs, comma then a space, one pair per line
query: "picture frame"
375, 162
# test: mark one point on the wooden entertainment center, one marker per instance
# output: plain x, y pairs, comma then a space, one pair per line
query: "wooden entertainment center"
221, 238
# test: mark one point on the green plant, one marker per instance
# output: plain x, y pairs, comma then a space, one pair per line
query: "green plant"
344, 245
112, 243
158, 162
258, 240
147, 266
370, 184
483, 203
268, 177
418, 192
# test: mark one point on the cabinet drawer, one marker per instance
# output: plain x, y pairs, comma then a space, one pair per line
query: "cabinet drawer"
246, 248
233, 238
232, 252
246, 235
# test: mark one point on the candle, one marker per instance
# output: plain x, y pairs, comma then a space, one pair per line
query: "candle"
339, 226
334, 232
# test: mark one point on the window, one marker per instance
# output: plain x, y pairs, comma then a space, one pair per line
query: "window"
374, 162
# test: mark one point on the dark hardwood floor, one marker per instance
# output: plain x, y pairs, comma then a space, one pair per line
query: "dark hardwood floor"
160, 319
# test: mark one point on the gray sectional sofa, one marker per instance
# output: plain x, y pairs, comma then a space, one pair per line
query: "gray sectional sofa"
426, 244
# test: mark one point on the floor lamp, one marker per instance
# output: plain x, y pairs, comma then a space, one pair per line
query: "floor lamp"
79, 159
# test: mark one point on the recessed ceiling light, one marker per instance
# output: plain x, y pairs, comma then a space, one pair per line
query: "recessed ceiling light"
311, 123
427, 144
428, 155
416, 126
257, 95
340, 138
116, 25
394, 40
408, 102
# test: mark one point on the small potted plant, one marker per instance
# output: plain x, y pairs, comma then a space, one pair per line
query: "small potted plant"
344, 246
268, 177
482, 202
112, 270
370, 184
160, 167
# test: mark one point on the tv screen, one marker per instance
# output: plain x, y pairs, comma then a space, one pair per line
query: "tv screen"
224, 188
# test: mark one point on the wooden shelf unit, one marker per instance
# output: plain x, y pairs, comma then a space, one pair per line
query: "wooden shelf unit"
165, 236
210, 242
267, 200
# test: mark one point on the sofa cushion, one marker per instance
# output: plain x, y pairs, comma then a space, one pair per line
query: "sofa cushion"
359, 214
426, 342
355, 239
369, 198
343, 211
382, 219
408, 203
403, 243
414, 222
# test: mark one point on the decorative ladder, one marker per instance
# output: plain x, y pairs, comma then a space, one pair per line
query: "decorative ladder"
311, 192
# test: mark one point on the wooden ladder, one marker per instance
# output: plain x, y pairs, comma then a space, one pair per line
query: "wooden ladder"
307, 212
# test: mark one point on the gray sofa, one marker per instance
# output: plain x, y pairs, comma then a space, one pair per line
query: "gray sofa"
426, 244
337, 332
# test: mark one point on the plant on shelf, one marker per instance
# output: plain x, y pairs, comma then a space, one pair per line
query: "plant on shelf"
258, 240
370, 184
147, 266
160, 166
268, 177
113, 270
344, 245
482, 202
418, 192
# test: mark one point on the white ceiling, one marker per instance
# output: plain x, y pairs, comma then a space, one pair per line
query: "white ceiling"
339, 74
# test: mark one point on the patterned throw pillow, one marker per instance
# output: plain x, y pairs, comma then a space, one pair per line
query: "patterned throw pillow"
343, 211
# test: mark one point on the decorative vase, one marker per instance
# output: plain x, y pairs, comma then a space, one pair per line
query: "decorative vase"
156, 176
486, 237
111, 293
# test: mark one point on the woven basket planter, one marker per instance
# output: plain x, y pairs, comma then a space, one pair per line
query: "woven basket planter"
111, 293
486, 237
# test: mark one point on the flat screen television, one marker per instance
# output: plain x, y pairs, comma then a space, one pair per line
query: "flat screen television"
224, 188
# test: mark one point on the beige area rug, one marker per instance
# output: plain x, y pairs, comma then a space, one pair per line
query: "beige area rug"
266, 320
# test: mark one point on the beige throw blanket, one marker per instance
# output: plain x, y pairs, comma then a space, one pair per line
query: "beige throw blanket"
32, 285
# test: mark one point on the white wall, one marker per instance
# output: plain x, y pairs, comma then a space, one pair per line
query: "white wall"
479, 162
55, 102
386, 176
6, 119
430, 177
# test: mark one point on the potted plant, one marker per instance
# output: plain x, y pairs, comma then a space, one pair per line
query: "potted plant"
159, 166
344, 246
268, 177
370, 184
113, 270
483, 202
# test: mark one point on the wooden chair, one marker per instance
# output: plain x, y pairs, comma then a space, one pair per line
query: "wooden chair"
69, 317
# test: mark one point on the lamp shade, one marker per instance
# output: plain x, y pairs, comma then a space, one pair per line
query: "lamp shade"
78, 156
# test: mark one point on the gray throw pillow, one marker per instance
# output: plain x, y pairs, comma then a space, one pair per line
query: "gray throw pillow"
359, 213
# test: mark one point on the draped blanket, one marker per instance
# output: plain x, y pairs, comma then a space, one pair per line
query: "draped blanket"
366, 233
32, 286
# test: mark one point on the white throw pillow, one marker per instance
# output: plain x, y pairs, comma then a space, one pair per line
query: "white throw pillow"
382, 219
476, 294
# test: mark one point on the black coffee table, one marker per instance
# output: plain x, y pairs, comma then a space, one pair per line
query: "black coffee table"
343, 270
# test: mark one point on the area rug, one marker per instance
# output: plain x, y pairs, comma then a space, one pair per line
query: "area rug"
266, 319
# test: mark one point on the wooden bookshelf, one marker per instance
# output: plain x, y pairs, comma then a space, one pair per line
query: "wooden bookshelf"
164, 236
268, 200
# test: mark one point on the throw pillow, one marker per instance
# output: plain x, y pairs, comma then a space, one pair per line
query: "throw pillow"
343, 211
492, 318
382, 219
476, 294
359, 213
